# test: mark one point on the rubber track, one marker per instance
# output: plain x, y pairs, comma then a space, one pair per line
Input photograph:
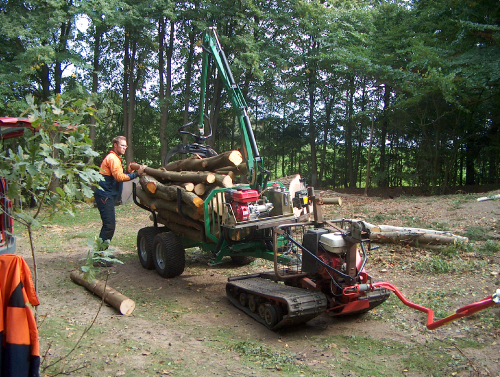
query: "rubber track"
302, 304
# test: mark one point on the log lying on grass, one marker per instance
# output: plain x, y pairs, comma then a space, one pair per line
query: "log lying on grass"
492, 197
112, 297
412, 238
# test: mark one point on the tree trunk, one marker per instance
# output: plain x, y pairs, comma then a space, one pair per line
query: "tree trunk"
165, 92
367, 180
187, 89
95, 81
312, 127
383, 137
349, 132
128, 128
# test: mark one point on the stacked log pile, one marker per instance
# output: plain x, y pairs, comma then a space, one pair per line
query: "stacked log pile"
190, 181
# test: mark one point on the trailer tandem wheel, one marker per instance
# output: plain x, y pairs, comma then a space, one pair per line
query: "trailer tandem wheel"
169, 255
145, 237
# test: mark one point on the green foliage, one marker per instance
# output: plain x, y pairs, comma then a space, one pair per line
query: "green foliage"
490, 247
50, 165
262, 355
477, 233
377, 218
98, 255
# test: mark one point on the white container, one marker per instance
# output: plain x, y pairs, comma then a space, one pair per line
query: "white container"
334, 243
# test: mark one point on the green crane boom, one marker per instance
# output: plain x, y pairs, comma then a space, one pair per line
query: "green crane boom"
257, 176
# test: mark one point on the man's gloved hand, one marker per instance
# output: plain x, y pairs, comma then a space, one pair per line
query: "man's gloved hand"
141, 170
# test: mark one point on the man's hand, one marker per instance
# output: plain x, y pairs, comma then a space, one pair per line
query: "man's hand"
129, 168
141, 170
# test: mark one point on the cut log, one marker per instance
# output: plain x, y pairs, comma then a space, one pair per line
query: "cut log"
492, 197
223, 180
178, 219
178, 165
217, 202
229, 158
407, 230
182, 231
413, 238
184, 176
112, 297
156, 204
238, 170
149, 183
335, 201
168, 192
200, 189
188, 186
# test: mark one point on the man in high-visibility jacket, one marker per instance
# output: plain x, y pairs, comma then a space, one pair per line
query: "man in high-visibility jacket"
111, 187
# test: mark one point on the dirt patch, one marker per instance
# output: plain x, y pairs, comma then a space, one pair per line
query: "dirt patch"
186, 326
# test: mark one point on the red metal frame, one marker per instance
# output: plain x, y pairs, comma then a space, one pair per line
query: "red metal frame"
431, 324
15, 127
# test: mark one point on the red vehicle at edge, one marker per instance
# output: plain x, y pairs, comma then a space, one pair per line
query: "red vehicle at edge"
9, 128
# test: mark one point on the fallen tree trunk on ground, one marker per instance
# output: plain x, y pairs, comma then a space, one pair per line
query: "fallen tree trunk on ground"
413, 236
112, 297
492, 197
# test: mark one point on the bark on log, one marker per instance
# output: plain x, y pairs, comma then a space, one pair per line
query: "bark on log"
182, 231
184, 176
223, 180
149, 183
178, 219
413, 238
229, 158
156, 204
238, 170
217, 202
112, 297
484, 198
389, 233
390, 228
170, 192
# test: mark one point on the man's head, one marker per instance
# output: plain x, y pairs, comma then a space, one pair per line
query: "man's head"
120, 145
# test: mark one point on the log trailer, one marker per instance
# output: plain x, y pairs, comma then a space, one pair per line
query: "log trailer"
319, 265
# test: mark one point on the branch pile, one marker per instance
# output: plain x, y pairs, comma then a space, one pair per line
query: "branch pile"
190, 181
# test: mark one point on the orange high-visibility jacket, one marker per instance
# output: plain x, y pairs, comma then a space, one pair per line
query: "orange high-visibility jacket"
19, 344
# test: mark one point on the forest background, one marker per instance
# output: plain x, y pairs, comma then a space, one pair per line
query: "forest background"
410, 87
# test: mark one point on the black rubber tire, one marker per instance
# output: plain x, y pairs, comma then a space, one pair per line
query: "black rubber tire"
261, 309
145, 237
270, 316
252, 303
243, 298
169, 255
242, 261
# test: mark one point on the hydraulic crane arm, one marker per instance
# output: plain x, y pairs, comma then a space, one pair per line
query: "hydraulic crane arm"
257, 176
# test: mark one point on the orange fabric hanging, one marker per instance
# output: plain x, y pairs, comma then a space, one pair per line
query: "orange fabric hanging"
19, 346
